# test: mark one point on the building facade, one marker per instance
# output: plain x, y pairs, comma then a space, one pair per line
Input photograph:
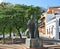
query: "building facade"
49, 23
53, 23
42, 24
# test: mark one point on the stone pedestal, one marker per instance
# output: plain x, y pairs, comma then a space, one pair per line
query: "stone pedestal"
34, 43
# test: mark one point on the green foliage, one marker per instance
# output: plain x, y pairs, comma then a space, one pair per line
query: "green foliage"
13, 18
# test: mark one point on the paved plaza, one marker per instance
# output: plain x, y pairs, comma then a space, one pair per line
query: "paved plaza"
23, 46
12, 46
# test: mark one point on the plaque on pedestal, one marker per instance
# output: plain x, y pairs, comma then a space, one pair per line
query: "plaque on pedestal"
34, 43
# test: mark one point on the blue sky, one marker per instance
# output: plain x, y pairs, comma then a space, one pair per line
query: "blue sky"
41, 3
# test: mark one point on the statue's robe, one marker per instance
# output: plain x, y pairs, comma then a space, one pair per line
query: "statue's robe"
31, 27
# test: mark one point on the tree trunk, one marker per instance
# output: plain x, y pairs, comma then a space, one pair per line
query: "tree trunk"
3, 35
10, 32
19, 33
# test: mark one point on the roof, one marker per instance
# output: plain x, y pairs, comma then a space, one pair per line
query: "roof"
55, 7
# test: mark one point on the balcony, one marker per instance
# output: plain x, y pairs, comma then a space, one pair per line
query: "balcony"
41, 24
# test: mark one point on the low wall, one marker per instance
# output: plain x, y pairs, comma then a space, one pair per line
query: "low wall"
14, 41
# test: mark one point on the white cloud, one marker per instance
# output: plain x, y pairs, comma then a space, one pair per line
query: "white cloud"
1, 1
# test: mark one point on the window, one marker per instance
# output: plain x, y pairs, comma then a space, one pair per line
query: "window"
59, 22
47, 31
52, 29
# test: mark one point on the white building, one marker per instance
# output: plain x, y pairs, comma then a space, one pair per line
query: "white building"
53, 23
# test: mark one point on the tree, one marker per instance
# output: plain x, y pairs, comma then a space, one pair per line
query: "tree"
16, 17
3, 22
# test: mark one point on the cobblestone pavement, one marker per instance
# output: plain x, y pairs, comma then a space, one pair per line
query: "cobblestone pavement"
12, 46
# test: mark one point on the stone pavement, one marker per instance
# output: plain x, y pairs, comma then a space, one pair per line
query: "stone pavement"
23, 46
52, 46
12, 46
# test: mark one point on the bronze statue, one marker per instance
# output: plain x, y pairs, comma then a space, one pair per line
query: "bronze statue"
33, 28
33, 40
